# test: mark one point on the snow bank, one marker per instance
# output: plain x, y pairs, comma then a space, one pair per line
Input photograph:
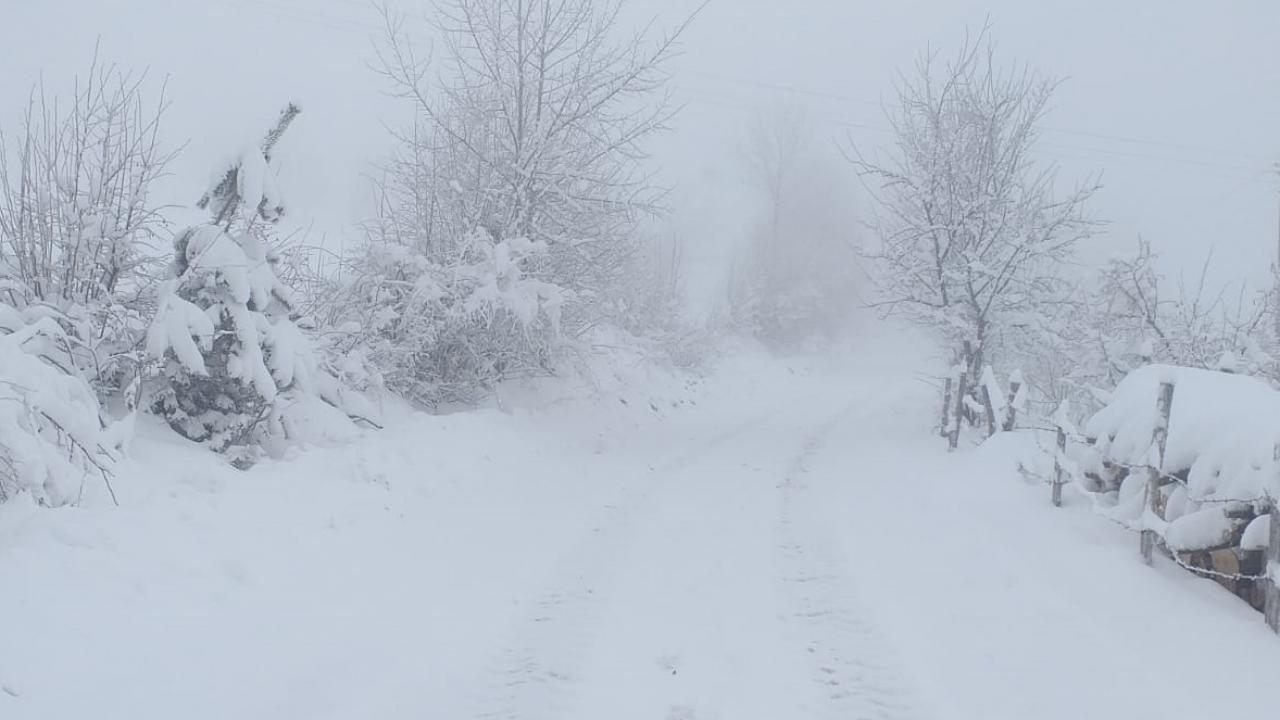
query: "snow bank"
1223, 429
1209, 527
50, 433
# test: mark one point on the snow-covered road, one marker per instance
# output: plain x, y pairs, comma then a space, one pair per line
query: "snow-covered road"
708, 592
793, 545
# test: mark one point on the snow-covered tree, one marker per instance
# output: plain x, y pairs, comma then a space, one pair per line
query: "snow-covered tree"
225, 331
530, 140
972, 235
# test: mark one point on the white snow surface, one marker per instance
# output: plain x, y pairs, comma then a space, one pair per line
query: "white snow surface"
783, 539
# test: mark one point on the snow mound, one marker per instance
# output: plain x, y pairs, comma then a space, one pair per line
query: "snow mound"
1223, 430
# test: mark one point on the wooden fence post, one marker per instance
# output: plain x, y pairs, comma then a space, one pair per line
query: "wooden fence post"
1159, 437
989, 410
953, 439
1271, 567
1011, 414
945, 429
1058, 469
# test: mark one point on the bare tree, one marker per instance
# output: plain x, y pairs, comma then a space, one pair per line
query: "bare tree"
538, 123
794, 275
971, 234
777, 145
523, 171
1127, 315
1196, 326
75, 216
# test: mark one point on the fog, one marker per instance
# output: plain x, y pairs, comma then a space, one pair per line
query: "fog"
1174, 103
502, 359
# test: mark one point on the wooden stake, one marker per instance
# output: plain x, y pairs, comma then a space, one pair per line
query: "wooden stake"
1058, 469
1272, 570
1011, 417
1159, 438
953, 440
991, 413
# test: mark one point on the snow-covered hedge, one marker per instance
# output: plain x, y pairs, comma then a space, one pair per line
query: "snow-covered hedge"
439, 331
1222, 435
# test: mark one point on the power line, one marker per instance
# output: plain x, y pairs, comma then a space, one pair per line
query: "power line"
809, 92
310, 16
1226, 171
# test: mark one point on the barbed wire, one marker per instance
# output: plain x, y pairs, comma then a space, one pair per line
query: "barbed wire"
1174, 554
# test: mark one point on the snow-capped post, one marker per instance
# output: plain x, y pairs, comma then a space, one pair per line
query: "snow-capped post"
993, 401
1017, 398
1058, 469
1271, 608
990, 412
1061, 422
953, 438
1155, 465
1147, 351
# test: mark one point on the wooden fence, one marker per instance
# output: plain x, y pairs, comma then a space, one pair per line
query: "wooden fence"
1153, 520
993, 418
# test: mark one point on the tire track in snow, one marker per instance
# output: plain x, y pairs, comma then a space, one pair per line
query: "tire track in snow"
536, 673
852, 667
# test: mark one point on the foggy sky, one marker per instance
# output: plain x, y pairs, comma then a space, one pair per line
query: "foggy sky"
1175, 102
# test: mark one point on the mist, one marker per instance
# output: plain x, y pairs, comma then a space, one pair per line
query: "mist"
639, 359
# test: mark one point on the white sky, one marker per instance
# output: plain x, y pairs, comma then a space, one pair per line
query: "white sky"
1176, 102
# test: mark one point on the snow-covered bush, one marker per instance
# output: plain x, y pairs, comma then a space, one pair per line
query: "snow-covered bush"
1127, 315
77, 222
1138, 319
51, 436
445, 333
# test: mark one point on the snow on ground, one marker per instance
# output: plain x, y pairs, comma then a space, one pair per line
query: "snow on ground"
783, 539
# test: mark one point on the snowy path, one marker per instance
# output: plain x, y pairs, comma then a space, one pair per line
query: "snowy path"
709, 594
794, 546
